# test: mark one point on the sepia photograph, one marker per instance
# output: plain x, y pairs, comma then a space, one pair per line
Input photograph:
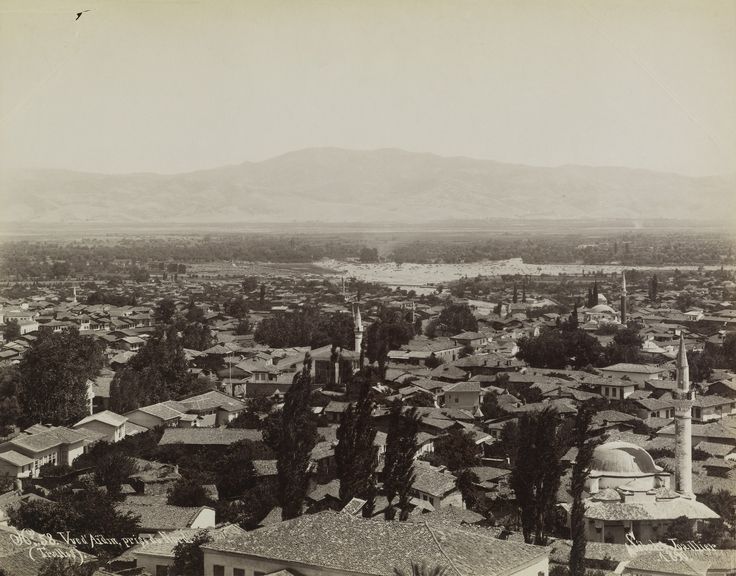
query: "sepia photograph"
367, 287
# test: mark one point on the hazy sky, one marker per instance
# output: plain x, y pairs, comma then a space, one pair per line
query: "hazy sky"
171, 86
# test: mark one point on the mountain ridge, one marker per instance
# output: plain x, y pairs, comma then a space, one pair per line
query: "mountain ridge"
339, 185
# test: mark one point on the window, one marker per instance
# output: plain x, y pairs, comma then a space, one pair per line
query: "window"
218, 570
162, 570
238, 572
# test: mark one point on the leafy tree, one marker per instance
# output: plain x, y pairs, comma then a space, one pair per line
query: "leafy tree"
249, 284
197, 336
80, 512
297, 438
653, 288
53, 377
466, 481
164, 311
307, 327
113, 470
401, 447
236, 307
244, 327
680, 529
389, 332
9, 412
239, 456
11, 330
369, 255
585, 446
625, 347
189, 557
728, 351
432, 361
356, 454
456, 450
187, 491
158, 372
63, 567
535, 477
457, 318
701, 366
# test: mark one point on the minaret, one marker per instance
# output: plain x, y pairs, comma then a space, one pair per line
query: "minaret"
683, 426
358, 330
74, 289
623, 297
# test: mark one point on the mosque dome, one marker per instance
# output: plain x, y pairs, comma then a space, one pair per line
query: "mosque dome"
623, 458
603, 308
602, 299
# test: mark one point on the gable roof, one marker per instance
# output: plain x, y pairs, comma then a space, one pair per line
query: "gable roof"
378, 547
208, 436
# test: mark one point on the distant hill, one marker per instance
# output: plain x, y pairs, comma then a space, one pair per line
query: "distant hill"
335, 185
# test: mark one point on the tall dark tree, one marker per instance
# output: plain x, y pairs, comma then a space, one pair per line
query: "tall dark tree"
595, 293
356, 453
11, 330
515, 297
158, 372
53, 377
401, 447
164, 311
625, 347
535, 477
457, 318
585, 445
653, 288
389, 332
294, 446
113, 470
188, 555
456, 450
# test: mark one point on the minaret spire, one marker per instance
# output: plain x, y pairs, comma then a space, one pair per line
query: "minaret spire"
623, 297
683, 426
358, 330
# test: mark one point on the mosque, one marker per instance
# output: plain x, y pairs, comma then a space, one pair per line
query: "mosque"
631, 495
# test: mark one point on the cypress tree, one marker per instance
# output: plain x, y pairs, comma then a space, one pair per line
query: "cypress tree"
295, 443
535, 477
401, 447
585, 446
595, 292
356, 454
515, 299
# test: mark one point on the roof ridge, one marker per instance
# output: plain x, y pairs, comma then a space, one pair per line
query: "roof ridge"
439, 547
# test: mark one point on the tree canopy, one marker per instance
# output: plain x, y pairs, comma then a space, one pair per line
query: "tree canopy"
53, 377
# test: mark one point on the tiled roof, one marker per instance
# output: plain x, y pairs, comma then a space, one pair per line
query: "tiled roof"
655, 510
635, 368
156, 514
106, 417
464, 387
159, 411
213, 400
433, 482
15, 458
209, 436
344, 542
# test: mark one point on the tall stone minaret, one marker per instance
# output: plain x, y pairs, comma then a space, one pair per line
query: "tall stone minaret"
74, 290
623, 297
358, 330
683, 426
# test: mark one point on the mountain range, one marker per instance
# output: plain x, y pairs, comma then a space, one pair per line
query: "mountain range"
336, 185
